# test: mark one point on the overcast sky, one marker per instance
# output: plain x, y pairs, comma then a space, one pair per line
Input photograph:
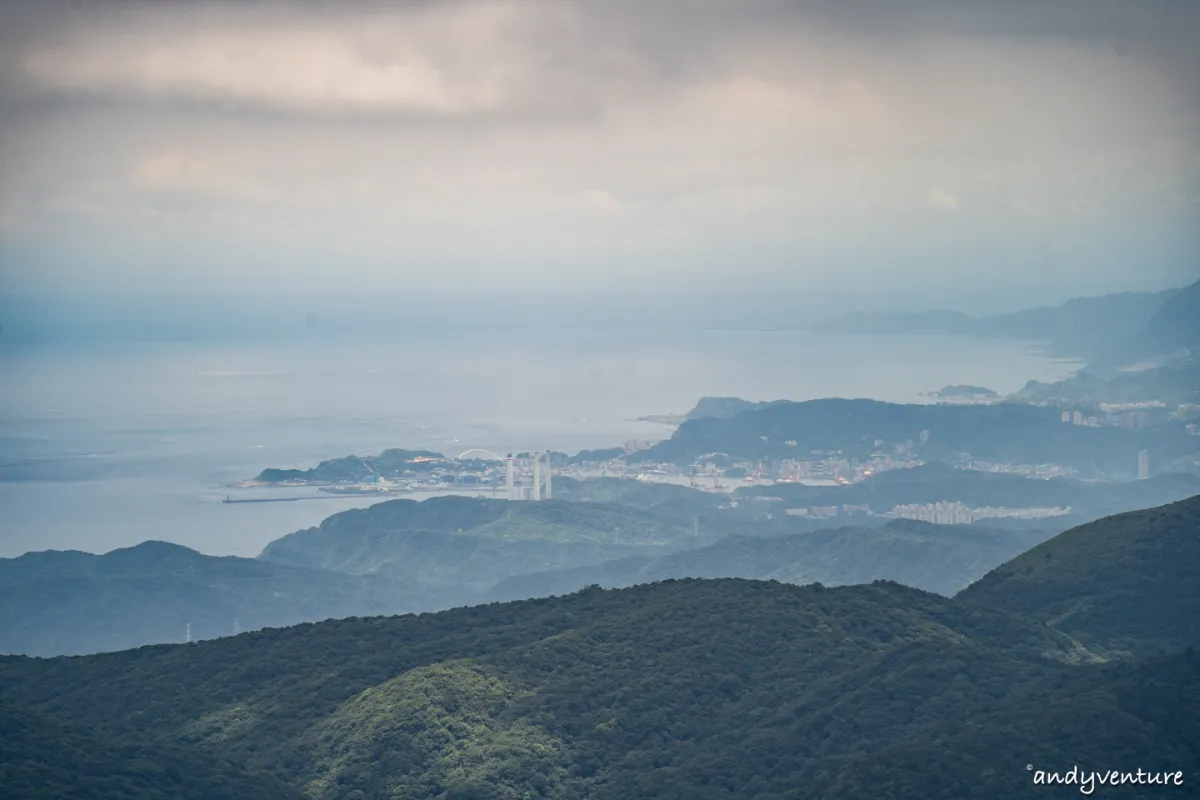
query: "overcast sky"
809, 155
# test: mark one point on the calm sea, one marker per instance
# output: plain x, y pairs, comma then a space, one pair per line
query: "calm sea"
105, 449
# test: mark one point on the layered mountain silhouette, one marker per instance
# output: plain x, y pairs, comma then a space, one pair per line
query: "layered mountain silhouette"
694, 688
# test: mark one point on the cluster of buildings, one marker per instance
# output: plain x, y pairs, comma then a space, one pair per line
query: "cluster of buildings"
945, 513
1044, 471
1077, 418
837, 468
1135, 416
818, 467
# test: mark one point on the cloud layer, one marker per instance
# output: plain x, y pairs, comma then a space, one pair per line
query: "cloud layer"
872, 152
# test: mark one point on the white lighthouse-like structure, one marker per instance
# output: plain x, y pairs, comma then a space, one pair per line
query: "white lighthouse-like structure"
537, 476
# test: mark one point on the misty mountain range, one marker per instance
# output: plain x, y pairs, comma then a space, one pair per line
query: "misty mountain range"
1110, 330
405, 556
1078, 651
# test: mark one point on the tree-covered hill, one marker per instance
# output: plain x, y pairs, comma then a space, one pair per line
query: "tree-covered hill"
1177, 382
454, 549
936, 558
391, 463
403, 556
662, 499
1124, 583
1000, 432
1123, 717
679, 689
692, 688
44, 758
54, 603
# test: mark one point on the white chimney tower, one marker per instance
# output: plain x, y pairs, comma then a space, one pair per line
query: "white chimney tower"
537, 476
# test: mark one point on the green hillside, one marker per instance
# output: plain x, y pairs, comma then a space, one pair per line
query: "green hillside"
391, 463
688, 689
454, 549
1126, 583
935, 558
1121, 717
44, 758
716, 689
64, 603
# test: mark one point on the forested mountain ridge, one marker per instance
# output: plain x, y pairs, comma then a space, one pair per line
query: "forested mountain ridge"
601, 694
54, 603
43, 757
1003, 432
692, 688
454, 549
1127, 716
935, 558
1126, 584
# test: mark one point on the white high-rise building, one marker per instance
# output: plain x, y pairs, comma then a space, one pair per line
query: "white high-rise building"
548, 471
1078, 418
509, 470
537, 476
1066, 416
1143, 465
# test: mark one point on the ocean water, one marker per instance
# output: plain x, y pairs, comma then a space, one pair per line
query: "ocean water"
102, 449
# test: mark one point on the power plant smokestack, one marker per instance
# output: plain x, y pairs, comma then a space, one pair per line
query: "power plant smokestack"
548, 470
537, 476
509, 466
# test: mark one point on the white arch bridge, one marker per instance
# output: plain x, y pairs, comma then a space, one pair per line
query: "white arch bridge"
488, 453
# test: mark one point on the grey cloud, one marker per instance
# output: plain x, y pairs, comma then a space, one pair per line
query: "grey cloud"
519, 60
587, 147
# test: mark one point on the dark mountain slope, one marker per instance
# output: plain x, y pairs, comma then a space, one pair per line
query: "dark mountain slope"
666, 500
1002, 432
1123, 717
935, 558
1175, 326
455, 564
690, 688
54, 603
724, 407
1124, 583
45, 759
